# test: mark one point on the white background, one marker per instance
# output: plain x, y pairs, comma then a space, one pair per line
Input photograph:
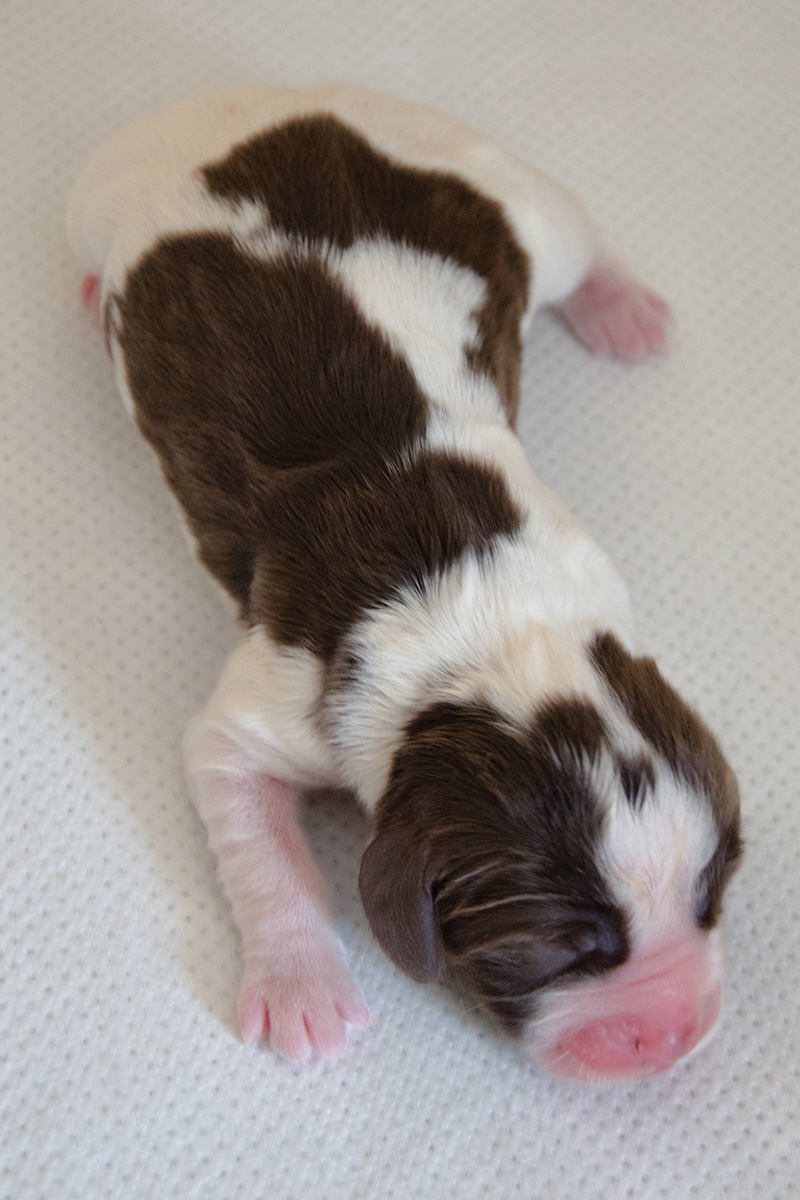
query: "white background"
120, 1072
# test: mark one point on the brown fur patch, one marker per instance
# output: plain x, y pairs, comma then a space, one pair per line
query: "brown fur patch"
323, 181
685, 742
283, 421
484, 857
346, 536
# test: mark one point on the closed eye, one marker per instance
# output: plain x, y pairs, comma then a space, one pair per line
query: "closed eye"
592, 946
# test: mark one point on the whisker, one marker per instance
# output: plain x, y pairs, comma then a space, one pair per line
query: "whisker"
457, 880
466, 909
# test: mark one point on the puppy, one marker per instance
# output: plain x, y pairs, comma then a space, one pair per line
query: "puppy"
314, 301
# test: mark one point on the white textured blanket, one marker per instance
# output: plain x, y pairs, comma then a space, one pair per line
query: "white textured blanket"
121, 1074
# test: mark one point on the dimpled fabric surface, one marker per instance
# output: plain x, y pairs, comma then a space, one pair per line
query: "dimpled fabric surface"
120, 1071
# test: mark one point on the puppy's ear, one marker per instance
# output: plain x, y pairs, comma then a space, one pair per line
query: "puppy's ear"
395, 887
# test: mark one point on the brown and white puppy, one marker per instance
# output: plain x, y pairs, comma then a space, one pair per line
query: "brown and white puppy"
314, 301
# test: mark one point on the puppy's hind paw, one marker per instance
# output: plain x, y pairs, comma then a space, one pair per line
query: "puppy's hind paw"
612, 314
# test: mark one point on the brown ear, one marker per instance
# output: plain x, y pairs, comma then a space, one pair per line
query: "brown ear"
396, 892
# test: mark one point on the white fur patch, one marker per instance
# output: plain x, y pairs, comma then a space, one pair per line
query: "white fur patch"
427, 308
263, 713
509, 629
651, 857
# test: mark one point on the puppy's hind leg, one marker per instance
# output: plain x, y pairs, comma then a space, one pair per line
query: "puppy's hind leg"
606, 309
611, 313
295, 988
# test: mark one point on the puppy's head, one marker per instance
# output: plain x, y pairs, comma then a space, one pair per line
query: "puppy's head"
568, 873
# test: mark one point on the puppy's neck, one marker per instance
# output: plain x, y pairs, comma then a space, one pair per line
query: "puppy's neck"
528, 667
514, 672
509, 627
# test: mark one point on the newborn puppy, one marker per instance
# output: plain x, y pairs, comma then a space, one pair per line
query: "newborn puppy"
314, 301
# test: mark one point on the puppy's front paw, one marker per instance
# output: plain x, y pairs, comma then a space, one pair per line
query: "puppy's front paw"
303, 1001
612, 314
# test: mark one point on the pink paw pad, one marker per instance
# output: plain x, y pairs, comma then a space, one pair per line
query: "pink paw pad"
302, 1012
612, 314
90, 295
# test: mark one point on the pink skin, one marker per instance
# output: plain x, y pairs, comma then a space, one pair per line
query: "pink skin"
611, 314
90, 295
302, 1000
639, 1020
295, 988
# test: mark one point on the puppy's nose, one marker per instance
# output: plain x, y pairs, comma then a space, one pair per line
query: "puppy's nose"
633, 1045
626, 1046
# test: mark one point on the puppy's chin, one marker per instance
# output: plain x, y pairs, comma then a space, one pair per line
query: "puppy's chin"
640, 1020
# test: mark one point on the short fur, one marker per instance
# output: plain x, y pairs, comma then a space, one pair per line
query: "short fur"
315, 301
360, 194
265, 395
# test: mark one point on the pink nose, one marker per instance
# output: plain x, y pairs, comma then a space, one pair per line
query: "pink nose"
629, 1046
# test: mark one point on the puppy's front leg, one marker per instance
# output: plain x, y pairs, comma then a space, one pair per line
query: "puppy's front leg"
295, 987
